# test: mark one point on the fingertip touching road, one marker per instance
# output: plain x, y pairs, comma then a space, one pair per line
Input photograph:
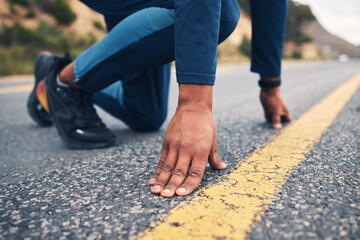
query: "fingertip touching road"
51, 192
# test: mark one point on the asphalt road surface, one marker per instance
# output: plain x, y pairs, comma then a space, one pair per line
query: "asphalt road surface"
50, 192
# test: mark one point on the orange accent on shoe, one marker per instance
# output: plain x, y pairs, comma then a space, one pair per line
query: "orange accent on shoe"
45, 53
41, 95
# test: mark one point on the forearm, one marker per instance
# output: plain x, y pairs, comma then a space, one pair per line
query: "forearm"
195, 97
189, 143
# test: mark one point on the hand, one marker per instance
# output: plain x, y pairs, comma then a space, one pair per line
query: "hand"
189, 142
274, 106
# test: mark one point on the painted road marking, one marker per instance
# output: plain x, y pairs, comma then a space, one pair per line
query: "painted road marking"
230, 208
17, 79
16, 89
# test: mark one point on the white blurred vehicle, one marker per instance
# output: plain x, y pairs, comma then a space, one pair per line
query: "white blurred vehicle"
343, 58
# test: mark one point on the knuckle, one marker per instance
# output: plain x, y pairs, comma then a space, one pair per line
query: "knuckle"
186, 145
172, 143
165, 143
168, 168
180, 172
202, 150
161, 163
176, 144
195, 173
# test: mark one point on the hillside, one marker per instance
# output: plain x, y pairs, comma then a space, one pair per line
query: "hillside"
297, 45
29, 26
29, 13
329, 46
229, 50
305, 38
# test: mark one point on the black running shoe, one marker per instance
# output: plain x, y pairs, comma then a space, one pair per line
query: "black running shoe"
43, 64
73, 113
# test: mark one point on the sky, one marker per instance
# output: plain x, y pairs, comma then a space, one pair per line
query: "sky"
339, 17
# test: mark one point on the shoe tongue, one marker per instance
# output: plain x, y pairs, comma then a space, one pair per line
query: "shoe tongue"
62, 62
84, 106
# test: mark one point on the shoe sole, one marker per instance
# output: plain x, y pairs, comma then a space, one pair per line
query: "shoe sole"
33, 100
71, 143
32, 112
41, 96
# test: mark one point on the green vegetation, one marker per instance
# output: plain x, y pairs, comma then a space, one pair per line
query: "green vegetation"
24, 3
296, 55
59, 9
16, 60
44, 36
30, 14
297, 15
19, 46
245, 47
98, 25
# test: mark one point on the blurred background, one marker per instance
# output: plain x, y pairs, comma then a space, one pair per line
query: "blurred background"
316, 30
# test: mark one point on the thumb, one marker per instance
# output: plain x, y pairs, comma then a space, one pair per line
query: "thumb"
276, 121
215, 162
214, 159
286, 117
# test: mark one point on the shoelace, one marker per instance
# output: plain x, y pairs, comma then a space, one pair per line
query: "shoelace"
87, 112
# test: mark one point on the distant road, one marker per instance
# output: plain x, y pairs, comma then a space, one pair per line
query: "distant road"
48, 191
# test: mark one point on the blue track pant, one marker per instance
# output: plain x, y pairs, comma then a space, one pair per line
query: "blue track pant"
129, 70
268, 30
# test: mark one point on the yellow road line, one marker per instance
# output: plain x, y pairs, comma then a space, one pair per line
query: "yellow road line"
230, 208
17, 79
16, 89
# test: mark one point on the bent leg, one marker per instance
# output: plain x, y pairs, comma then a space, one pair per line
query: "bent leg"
268, 28
124, 51
140, 100
141, 41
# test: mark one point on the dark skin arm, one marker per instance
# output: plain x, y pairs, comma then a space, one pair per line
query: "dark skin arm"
274, 106
190, 140
189, 143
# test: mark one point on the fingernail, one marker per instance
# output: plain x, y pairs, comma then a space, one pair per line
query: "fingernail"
181, 190
152, 180
156, 188
223, 165
277, 126
166, 191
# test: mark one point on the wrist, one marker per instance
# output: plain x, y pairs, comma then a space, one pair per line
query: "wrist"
267, 92
195, 97
266, 82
